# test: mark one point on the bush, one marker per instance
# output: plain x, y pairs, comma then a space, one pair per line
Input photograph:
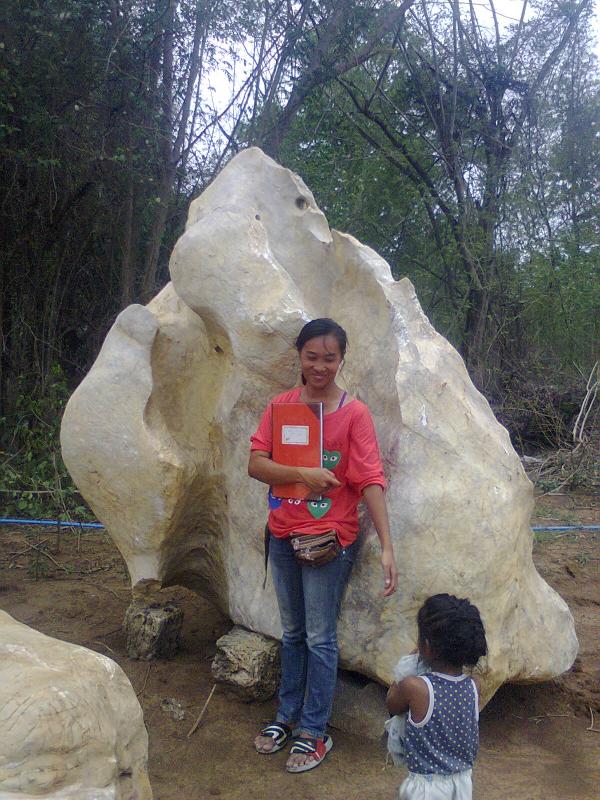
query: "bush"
33, 478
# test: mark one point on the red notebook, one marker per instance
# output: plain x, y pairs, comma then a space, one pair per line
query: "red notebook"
297, 442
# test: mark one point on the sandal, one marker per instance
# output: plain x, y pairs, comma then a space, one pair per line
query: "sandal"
317, 748
279, 732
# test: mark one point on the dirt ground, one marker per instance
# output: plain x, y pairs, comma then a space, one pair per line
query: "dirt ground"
535, 740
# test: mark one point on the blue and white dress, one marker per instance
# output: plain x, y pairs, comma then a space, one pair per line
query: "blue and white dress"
441, 748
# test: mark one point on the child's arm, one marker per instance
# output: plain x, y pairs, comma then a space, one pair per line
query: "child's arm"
411, 693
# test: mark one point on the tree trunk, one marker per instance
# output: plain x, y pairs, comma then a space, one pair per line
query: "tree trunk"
127, 273
173, 143
3, 337
476, 323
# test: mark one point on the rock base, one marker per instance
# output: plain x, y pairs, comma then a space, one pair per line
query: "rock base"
359, 706
248, 663
153, 630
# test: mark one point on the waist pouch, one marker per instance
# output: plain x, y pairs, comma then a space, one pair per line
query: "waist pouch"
315, 549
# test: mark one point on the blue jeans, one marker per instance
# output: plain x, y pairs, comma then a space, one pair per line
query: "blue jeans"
309, 601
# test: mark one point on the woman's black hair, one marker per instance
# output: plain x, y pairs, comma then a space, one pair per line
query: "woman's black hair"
453, 629
323, 326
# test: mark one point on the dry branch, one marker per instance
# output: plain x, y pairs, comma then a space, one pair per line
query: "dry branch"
592, 386
145, 681
204, 707
591, 725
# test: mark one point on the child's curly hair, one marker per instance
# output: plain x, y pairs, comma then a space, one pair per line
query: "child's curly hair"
453, 629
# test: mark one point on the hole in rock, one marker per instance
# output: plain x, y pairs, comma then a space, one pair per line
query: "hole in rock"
356, 678
218, 349
301, 203
257, 216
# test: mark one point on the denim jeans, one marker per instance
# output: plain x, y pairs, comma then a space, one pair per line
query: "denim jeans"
309, 601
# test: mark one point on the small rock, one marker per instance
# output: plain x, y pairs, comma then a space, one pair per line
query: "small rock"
248, 663
573, 568
173, 707
153, 631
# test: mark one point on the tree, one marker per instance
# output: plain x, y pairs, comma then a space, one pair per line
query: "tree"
467, 95
553, 203
318, 41
105, 131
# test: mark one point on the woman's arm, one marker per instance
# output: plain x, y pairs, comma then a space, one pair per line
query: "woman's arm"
264, 469
375, 500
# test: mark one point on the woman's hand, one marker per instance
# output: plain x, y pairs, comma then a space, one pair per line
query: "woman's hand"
375, 501
318, 479
390, 572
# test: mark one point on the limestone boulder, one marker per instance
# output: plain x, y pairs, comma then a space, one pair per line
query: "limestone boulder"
359, 707
157, 434
72, 727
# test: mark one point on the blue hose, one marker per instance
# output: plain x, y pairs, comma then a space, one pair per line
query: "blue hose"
566, 528
55, 522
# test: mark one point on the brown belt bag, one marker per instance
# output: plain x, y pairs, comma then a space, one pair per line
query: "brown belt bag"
315, 549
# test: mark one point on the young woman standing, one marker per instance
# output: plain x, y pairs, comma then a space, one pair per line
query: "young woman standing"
308, 596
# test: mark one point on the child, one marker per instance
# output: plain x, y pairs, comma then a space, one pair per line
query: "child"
442, 733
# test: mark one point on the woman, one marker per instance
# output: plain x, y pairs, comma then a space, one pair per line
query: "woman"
309, 596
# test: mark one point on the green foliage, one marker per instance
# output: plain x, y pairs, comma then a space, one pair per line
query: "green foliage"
38, 567
33, 478
467, 175
561, 307
559, 516
541, 537
446, 163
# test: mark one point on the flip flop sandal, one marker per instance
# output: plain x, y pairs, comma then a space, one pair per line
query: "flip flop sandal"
317, 748
280, 733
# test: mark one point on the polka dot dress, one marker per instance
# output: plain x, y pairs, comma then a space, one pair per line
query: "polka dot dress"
446, 741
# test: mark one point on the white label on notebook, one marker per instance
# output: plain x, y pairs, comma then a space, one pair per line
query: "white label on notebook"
294, 434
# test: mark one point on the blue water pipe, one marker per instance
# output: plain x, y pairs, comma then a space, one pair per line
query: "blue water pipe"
566, 528
56, 522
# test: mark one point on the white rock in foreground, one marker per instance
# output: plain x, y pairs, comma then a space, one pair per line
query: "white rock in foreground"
157, 435
72, 727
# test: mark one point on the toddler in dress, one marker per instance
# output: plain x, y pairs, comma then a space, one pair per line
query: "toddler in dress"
441, 727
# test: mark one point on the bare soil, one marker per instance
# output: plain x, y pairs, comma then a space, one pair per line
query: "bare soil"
535, 740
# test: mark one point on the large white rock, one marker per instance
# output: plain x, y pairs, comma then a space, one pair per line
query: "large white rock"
157, 435
72, 727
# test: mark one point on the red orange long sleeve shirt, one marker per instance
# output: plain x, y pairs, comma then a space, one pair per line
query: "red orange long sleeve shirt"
350, 451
